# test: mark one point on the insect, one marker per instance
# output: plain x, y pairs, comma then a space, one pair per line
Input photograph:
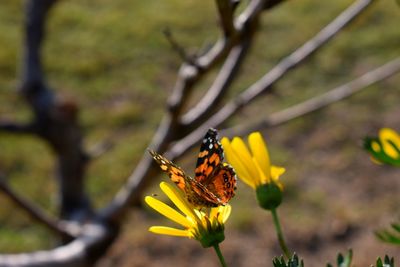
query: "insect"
214, 183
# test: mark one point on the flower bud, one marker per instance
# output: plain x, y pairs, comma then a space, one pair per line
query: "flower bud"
269, 196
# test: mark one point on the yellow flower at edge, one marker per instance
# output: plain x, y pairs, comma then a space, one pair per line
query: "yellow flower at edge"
204, 226
384, 149
252, 166
390, 138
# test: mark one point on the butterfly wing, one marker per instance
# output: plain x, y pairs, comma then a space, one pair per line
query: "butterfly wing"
201, 196
223, 183
196, 193
218, 179
176, 174
210, 156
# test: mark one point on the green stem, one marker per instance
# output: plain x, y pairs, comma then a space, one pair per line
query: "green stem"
220, 257
279, 233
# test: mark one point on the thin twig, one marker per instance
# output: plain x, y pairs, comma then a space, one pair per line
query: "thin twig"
34, 211
15, 128
217, 90
189, 75
185, 57
321, 101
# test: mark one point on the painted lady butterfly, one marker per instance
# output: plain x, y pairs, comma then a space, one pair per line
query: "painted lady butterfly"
214, 183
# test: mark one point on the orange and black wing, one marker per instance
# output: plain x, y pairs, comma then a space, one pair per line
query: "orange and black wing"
195, 192
210, 157
223, 183
176, 174
200, 196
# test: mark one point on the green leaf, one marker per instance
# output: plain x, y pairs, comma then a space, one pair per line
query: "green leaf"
396, 226
391, 236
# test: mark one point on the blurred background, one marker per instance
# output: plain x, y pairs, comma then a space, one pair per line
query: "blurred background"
112, 58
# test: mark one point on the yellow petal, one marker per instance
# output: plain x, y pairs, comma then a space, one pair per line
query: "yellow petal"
200, 214
214, 211
220, 213
163, 230
390, 134
375, 146
262, 178
386, 135
390, 150
176, 197
276, 172
260, 152
280, 185
225, 212
245, 157
167, 211
236, 163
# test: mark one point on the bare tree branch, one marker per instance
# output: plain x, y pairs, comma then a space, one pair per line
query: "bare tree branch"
32, 73
55, 119
269, 79
271, 3
11, 127
221, 84
82, 252
321, 101
189, 75
225, 10
34, 211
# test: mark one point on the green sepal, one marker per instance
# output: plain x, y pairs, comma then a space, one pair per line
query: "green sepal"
343, 261
294, 261
387, 262
269, 196
210, 236
210, 240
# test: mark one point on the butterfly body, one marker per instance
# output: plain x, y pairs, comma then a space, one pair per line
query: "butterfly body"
214, 183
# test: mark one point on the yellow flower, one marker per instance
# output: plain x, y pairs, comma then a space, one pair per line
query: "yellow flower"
253, 167
390, 142
385, 148
204, 226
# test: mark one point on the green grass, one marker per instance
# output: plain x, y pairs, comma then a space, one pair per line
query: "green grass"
112, 58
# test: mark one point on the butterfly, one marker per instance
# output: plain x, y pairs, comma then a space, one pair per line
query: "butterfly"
214, 183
